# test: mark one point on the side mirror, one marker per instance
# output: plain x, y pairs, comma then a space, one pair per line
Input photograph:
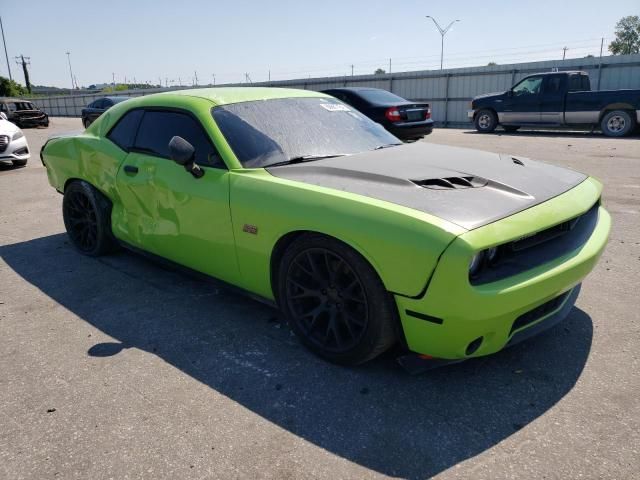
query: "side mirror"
183, 153
3, 116
509, 93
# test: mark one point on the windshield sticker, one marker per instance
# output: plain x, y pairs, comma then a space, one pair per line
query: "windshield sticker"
335, 107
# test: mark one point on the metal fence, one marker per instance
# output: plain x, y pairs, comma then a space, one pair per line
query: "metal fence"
448, 91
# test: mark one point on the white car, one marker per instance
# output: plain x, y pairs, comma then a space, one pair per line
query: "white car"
13, 144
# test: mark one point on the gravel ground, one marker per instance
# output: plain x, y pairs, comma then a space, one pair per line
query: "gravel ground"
119, 368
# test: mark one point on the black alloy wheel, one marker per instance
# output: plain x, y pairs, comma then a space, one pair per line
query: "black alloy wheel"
335, 301
328, 299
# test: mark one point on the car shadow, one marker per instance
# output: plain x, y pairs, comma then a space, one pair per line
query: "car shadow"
375, 415
554, 134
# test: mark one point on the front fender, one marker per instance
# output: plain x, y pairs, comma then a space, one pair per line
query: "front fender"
401, 244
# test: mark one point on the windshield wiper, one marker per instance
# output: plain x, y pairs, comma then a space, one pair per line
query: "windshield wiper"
387, 145
304, 158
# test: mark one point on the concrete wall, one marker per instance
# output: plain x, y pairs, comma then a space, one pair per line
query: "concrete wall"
448, 91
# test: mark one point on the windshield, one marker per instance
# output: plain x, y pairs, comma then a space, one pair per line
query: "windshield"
265, 132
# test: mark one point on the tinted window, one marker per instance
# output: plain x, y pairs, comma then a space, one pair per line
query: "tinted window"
158, 128
579, 83
553, 84
262, 133
124, 132
529, 86
379, 97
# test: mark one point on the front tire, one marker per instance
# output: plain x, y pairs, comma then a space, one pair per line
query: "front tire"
87, 218
485, 121
334, 301
617, 123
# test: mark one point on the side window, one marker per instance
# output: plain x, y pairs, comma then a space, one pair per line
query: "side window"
159, 127
529, 86
578, 83
106, 103
124, 132
553, 85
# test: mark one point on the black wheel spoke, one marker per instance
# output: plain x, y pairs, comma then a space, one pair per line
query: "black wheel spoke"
326, 300
81, 220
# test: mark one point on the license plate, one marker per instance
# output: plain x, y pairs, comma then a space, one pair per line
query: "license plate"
413, 115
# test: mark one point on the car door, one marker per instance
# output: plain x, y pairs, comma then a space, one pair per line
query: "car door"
96, 109
552, 98
165, 209
522, 104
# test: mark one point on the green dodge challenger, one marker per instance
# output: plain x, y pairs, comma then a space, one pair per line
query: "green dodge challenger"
362, 241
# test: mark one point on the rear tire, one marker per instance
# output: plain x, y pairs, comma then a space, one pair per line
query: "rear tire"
510, 128
19, 163
86, 122
334, 301
485, 121
87, 218
617, 123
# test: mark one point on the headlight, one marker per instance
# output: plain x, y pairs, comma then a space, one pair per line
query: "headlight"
17, 135
476, 263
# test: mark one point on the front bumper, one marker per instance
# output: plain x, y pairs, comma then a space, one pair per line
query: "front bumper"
453, 313
16, 150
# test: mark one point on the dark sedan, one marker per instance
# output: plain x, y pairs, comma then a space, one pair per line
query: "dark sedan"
98, 107
405, 119
22, 113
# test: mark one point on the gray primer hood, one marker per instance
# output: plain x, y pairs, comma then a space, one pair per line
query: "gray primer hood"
504, 186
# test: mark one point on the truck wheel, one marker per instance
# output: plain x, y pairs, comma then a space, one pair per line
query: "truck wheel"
334, 301
485, 121
617, 123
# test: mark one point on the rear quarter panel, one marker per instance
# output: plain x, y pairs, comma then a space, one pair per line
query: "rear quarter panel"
85, 157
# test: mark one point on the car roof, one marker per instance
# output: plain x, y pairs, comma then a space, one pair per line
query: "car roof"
352, 89
226, 95
556, 73
117, 97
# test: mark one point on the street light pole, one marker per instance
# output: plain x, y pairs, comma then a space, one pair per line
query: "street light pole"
70, 71
4, 42
443, 32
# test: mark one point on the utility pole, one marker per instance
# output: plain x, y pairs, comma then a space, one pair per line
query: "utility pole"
196, 77
600, 63
5, 50
70, 71
564, 52
269, 75
113, 79
443, 32
247, 78
352, 70
24, 61
179, 82
389, 65
214, 79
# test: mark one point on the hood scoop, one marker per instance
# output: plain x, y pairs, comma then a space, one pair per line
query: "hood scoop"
452, 183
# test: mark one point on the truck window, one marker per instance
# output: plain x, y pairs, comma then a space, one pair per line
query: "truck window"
553, 85
579, 83
528, 86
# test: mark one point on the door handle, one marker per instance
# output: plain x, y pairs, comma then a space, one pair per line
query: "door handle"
131, 169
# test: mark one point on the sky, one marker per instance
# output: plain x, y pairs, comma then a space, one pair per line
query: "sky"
153, 41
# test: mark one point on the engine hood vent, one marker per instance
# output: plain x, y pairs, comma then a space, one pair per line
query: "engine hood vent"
452, 183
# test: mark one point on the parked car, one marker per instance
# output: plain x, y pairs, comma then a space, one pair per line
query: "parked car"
13, 144
405, 119
362, 241
23, 113
557, 99
98, 107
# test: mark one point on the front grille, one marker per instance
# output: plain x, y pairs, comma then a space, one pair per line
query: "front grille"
539, 248
539, 312
4, 141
